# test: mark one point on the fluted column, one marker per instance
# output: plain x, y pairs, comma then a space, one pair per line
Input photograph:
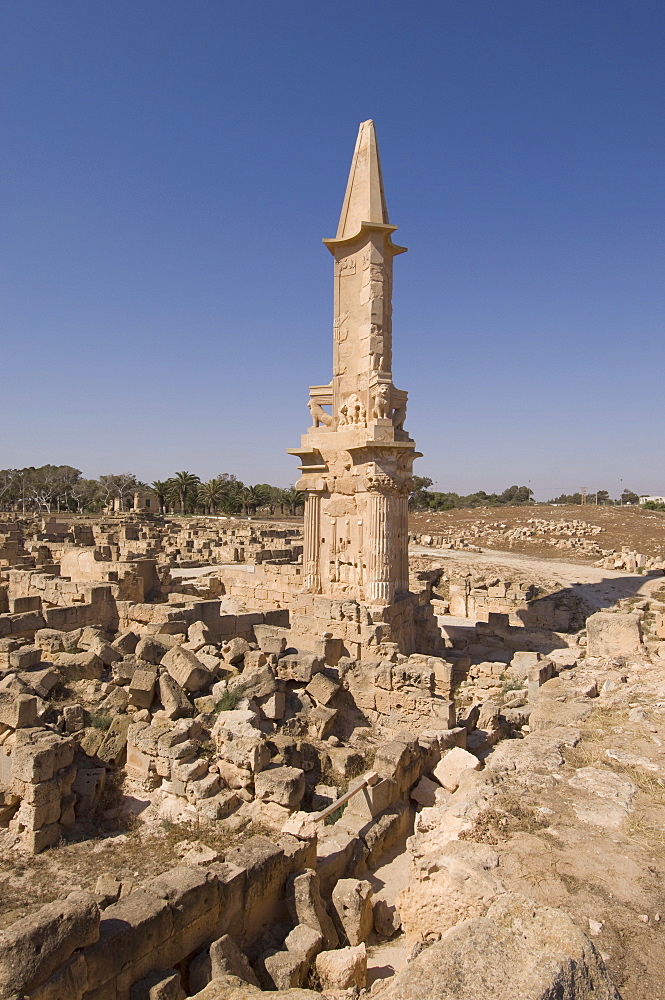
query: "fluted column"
312, 543
380, 587
402, 541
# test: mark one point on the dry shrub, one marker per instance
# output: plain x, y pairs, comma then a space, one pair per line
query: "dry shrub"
506, 817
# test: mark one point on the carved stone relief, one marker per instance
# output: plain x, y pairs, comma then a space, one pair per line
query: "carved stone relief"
319, 415
380, 402
352, 412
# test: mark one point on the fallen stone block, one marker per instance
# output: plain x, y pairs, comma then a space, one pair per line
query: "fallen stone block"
352, 903
25, 657
174, 701
163, 984
614, 633
18, 711
150, 649
303, 896
343, 969
386, 919
84, 666
322, 689
452, 766
283, 785
142, 688
186, 669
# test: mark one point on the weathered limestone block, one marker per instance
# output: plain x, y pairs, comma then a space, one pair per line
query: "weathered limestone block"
105, 651
186, 669
322, 689
218, 806
306, 906
321, 721
142, 688
239, 742
150, 649
32, 949
70, 981
352, 902
533, 952
299, 667
267, 871
611, 634
234, 650
400, 761
25, 657
199, 635
462, 885
425, 792
281, 970
80, 666
451, 767
114, 744
39, 754
163, 984
387, 920
123, 671
42, 682
50, 640
222, 958
342, 969
195, 900
256, 682
284, 785
131, 932
385, 831
274, 706
232, 988
74, 717
174, 701
126, 642
18, 711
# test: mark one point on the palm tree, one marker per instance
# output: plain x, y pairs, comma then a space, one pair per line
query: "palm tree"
161, 488
231, 501
183, 486
293, 499
210, 495
252, 497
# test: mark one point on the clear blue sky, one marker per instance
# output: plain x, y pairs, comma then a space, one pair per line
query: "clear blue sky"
169, 167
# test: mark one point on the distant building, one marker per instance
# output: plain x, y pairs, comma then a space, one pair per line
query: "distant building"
652, 499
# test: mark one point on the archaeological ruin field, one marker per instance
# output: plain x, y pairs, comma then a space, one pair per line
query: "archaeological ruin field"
366, 751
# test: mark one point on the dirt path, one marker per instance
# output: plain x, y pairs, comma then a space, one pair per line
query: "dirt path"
385, 958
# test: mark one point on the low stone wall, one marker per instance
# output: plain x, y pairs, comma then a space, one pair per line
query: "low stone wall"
70, 951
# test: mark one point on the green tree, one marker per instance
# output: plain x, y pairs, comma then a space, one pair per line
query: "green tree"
252, 497
119, 487
161, 489
293, 500
210, 495
629, 497
184, 489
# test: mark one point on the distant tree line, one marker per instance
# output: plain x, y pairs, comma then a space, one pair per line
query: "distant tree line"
57, 488
602, 497
422, 498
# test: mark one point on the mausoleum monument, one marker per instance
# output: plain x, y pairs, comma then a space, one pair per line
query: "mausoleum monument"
356, 458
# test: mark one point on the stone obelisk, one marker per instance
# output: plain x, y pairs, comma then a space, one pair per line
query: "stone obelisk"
356, 458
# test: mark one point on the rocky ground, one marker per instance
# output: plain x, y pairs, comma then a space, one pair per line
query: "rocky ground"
581, 531
572, 815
